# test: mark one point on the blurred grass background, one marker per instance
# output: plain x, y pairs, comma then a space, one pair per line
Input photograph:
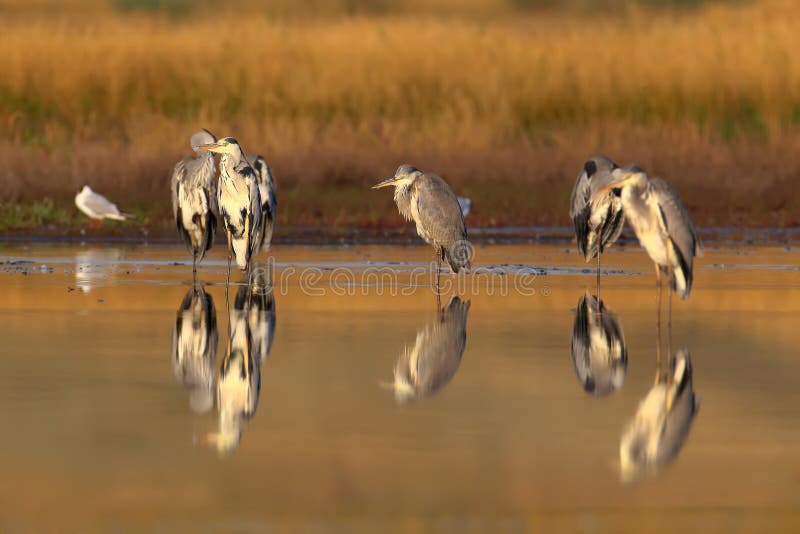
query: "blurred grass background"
504, 98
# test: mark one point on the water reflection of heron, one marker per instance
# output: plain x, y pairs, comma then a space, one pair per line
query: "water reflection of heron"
261, 313
435, 357
599, 355
194, 347
658, 431
252, 323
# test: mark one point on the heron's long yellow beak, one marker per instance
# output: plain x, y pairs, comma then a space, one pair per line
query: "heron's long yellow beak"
385, 183
627, 177
210, 146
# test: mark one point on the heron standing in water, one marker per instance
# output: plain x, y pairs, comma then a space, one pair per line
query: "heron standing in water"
239, 201
269, 199
661, 222
598, 219
427, 200
194, 198
664, 228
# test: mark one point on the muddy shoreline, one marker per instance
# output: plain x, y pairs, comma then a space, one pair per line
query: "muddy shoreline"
306, 235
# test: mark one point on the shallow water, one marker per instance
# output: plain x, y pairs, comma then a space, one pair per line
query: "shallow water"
102, 428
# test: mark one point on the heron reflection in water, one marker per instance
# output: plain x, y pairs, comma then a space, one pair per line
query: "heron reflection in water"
194, 347
432, 362
252, 323
599, 355
261, 312
658, 431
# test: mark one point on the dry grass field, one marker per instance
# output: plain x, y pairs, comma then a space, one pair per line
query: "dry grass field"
504, 99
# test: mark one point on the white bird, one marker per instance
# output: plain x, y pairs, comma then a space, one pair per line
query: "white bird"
96, 206
239, 201
194, 198
269, 199
659, 429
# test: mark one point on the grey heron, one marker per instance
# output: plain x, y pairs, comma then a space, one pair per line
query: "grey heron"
432, 362
97, 207
269, 199
658, 431
239, 381
194, 197
194, 347
661, 222
598, 218
427, 200
599, 354
239, 201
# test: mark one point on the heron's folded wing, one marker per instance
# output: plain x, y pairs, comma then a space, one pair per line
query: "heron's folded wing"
177, 176
439, 211
676, 218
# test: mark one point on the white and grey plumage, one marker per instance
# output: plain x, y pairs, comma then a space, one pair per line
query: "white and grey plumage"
661, 222
239, 382
598, 219
194, 197
269, 199
599, 354
239, 201
659, 429
427, 200
436, 355
97, 206
194, 347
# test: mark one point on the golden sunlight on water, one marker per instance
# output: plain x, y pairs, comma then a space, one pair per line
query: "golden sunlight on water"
102, 427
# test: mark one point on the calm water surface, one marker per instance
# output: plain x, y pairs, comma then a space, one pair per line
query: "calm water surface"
345, 398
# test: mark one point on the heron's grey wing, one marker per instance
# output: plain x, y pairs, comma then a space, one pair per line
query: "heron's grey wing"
177, 176
676, 218
100, 205
255, 211
580, 210
439, 211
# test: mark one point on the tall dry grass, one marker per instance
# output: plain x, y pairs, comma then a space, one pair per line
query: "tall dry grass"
501, 106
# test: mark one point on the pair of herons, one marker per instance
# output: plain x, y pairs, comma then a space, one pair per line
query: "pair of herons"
603, 197
242, 197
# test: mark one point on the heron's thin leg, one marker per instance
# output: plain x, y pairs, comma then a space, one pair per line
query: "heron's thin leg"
228, 313
598, 264
194, 266
669, 309
228, 276
658, 322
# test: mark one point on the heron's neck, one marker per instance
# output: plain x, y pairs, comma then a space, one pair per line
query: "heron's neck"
229, 162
